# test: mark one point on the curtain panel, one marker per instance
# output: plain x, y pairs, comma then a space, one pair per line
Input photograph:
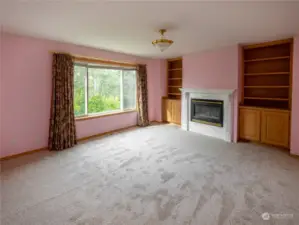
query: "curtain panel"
142, 100
62, 131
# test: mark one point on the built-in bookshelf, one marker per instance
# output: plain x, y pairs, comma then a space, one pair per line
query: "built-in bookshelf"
267, 74
174, 78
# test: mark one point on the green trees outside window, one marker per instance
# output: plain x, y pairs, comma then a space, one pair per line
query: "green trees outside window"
99, 90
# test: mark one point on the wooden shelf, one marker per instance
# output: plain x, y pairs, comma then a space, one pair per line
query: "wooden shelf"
267, 59
268, 44
175, 78
261, 74
266, 92
174, 93
175, 69
266, 86
271, 99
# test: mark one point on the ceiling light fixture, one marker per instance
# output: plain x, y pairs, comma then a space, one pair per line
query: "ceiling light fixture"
162, 43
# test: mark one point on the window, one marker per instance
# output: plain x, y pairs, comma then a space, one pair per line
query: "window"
100, 89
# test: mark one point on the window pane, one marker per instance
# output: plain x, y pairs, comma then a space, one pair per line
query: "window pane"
79, 89
103, 90
129, 87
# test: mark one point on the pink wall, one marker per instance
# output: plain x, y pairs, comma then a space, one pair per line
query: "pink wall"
159, 85
295, 100
25, 88
26, 92
1, 95
217, 69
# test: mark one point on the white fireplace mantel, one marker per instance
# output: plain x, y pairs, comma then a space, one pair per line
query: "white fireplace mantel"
226, 95
208, 91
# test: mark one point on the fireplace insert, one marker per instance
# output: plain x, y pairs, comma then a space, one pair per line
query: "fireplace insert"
207, 111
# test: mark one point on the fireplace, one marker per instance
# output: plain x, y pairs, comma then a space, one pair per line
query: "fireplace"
207, 112
222, 123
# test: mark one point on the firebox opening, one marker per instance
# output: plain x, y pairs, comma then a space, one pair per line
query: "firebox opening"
207, 111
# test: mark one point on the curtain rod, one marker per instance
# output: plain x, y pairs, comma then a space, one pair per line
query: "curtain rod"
96, 60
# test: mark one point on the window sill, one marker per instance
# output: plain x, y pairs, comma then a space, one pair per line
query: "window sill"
90, 117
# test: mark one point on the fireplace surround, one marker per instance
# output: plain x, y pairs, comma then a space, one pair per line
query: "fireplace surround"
218, 129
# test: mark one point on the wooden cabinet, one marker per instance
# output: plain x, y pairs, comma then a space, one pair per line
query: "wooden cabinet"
266, 92
250, 123
176, 111
171, 110
275, 128
167, 110
269, 126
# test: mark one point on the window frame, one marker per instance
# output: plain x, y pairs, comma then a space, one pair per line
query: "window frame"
87, 115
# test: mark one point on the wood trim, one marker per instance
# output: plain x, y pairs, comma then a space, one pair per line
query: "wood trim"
106, 133
249, 107
103, 115
271, 99
102, 61
266, 59
177, 69
113, 131
286, 86
291, 89
264, 109
174, 59
269, 43
266, 74
294, 156
23, 153
79, 139
156, 121
167, 76
291, 74
182, 77
176, 99
164, 109
179, 94
242, 74
86, 59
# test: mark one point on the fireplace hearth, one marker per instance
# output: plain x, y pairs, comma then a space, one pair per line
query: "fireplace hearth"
207, 112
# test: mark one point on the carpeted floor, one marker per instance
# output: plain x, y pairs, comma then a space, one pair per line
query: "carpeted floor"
152, 176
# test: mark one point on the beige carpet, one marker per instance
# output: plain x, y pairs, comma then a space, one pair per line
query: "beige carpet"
152, 176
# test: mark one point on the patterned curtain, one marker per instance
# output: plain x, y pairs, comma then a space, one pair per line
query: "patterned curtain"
62, 132
142, 104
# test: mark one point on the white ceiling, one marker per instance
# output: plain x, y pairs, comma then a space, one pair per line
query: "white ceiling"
130, 26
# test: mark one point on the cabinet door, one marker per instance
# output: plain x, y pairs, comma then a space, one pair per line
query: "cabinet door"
275, 128
167, 110
176, 111
249, 124
164, 111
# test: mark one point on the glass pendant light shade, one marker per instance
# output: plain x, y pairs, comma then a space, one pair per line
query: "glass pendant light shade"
162, 43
